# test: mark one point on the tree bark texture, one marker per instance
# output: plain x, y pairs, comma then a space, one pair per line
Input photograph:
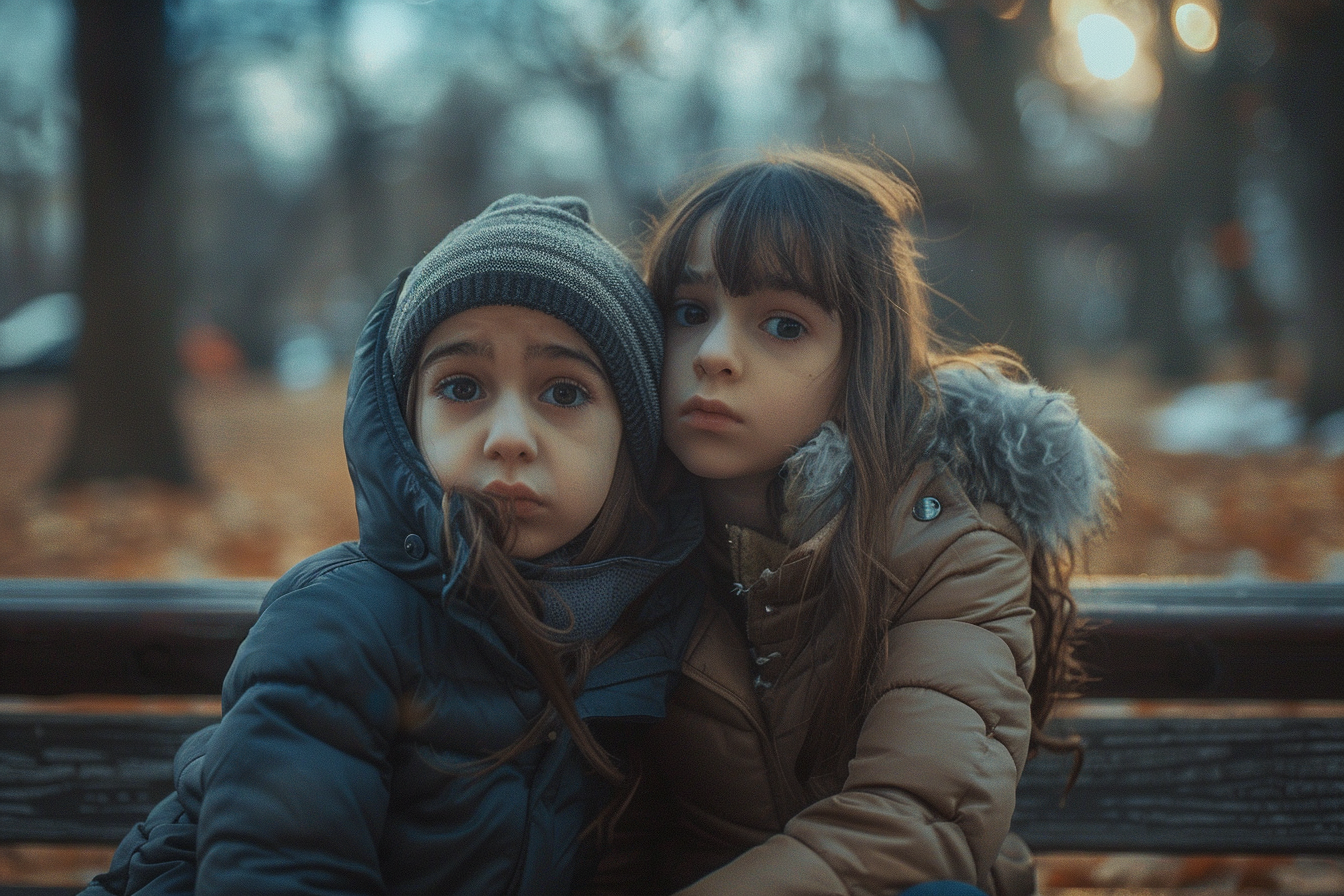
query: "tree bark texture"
124, 373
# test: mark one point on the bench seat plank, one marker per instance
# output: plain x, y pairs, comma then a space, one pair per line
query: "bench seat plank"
1169, 785
1190, 786
84, 778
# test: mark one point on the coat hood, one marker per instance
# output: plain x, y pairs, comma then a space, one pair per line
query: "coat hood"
1018, 445
398, 500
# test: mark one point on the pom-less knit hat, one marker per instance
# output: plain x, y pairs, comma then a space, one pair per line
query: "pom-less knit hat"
543, 254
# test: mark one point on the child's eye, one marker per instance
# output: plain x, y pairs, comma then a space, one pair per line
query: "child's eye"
566, 395
688, 314
784, 327
460, 388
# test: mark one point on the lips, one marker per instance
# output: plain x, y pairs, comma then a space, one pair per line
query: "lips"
519, 500
708, 414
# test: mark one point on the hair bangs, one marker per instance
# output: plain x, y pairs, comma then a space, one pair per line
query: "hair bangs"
769, 234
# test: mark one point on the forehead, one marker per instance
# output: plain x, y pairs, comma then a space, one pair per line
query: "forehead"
490, 323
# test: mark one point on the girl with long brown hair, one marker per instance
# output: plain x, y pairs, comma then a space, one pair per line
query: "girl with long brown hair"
441, 707
890, 527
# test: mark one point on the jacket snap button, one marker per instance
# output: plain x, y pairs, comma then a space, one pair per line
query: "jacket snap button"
415, 547
552, 735
927, 509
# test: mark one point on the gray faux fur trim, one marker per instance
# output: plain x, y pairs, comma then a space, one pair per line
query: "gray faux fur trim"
816, 483
1018, 445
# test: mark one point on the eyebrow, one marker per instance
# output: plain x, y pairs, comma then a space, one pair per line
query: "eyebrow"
697, 275
461, 348
550, 350
556, 350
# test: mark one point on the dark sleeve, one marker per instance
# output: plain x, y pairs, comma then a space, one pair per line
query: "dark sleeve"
296, 777
156, 858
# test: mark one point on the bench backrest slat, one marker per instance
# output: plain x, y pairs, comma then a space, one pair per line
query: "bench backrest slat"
1150, 639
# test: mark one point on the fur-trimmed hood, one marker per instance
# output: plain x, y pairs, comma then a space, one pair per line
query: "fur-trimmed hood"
1018, 445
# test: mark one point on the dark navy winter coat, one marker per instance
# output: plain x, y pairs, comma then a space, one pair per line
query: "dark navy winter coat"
369, 684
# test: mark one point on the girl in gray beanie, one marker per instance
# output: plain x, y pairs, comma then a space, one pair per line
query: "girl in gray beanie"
410, 713
543, 254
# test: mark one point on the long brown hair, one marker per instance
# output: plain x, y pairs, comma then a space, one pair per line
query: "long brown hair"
836, 228
559, 664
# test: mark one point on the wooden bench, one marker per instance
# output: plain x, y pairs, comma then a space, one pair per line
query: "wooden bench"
1268, 780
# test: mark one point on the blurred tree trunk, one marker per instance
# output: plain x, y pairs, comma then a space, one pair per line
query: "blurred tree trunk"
1309, 91
124, 371
985, 57
1171, 179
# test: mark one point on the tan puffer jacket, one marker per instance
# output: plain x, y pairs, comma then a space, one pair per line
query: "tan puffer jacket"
929, 791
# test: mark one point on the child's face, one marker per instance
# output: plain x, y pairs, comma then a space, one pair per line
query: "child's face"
747, 379
513, 403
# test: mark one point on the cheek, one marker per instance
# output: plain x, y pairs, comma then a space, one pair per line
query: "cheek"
443, 453
675, 377
679, 354
829, 387
589, 482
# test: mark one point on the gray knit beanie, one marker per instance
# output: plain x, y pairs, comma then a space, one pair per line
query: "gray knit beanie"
543, 254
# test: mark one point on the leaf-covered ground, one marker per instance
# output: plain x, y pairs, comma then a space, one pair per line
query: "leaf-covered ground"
274, 489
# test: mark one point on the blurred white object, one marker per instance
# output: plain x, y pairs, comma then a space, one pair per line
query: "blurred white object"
1328, 433
38, 330
1332, 568
1226, 418
304, 359
1246, 565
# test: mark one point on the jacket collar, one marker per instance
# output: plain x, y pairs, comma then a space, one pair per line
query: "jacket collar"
1018, 445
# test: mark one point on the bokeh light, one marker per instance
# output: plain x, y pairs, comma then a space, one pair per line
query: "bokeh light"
1109, 47
1104, 52
1195, 25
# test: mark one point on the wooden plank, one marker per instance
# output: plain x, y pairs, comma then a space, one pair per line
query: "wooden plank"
86, 637
1152, 638
1190, 639
1173, 785
1148, 784
84, 779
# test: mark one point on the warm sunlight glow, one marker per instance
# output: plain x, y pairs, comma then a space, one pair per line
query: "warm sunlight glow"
1104, 52
1109, 47
1196, 26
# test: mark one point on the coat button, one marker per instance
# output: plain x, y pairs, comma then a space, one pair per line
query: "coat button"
927, 509
415, 547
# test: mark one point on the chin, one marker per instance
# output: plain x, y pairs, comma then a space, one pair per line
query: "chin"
707, 468
719, 461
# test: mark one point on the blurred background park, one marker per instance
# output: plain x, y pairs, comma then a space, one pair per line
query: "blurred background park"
200, 200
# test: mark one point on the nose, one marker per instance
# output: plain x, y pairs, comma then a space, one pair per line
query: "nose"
718, 355
511, 437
